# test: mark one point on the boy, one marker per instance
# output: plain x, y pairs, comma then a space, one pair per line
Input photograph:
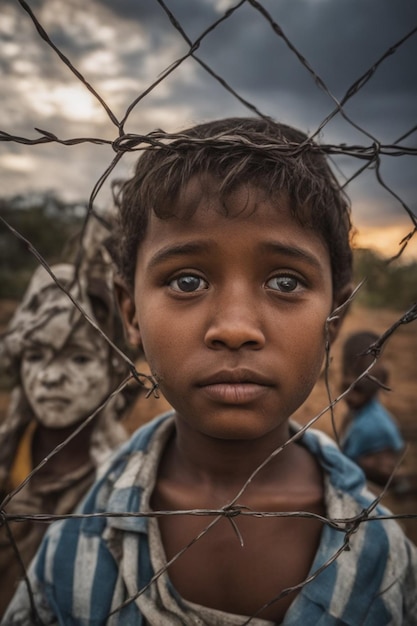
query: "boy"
370, 436
235, 251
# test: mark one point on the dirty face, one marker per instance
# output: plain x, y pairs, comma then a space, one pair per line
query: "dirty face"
231, 312
65, 385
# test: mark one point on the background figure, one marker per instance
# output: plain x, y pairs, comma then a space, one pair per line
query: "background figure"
370, 435
63, 370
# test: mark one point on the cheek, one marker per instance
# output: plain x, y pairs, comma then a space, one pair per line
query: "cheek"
29, 376
158, 334
309, 349
92, 382
168, 345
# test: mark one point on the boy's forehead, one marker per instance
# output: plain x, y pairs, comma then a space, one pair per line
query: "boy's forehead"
202, 202
200, 191
247, 214
206, 192
199, 214
63, 331
52, 333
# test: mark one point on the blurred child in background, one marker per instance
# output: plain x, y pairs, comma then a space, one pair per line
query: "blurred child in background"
370, 435
63, 369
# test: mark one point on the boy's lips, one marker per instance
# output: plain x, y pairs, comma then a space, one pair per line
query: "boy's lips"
237, 386
53, 399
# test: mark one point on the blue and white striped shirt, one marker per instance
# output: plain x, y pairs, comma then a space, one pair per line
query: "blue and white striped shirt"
86, 570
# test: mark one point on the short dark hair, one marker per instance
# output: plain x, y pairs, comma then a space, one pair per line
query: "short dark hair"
235, 151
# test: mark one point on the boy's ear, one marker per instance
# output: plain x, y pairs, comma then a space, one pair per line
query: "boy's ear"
341, 306
127, 311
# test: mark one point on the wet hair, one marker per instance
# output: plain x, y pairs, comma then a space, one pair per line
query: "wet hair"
278, 159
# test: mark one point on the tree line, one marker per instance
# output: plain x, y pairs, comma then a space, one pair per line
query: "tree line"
48, 222
52, 226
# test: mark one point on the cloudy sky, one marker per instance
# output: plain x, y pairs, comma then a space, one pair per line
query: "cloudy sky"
122, 47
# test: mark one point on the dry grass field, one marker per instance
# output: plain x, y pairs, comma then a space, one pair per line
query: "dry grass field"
401, 359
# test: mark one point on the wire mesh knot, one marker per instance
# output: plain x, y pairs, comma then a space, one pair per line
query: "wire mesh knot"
232, 511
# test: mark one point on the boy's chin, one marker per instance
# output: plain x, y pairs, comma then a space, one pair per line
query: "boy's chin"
235, 425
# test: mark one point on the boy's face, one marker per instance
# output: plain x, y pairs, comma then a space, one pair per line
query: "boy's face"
365, 389
65, 385
231, 311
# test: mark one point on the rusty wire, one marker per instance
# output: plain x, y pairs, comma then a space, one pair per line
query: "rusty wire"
369, 154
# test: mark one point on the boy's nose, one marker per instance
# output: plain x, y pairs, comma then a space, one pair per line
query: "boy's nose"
52, 377
234, 325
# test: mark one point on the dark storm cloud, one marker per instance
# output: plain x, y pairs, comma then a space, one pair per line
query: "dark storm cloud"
194, 17
341, 40
123, 47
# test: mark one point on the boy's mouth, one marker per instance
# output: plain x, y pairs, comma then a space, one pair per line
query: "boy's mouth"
235, 377
238, 386
53, 399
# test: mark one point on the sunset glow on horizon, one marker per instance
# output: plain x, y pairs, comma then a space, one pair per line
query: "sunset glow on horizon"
385, 240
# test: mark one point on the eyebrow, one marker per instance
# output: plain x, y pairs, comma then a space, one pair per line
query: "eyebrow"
179, 250
196, 247
292, 251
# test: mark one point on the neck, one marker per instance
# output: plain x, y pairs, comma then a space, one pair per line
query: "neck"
197, 471
230, 462
76, 451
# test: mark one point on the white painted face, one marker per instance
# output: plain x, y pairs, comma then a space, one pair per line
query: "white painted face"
66, 385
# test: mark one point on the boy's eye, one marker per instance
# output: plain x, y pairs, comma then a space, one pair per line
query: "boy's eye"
283, 283
81, 359
188, 283
33, 356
